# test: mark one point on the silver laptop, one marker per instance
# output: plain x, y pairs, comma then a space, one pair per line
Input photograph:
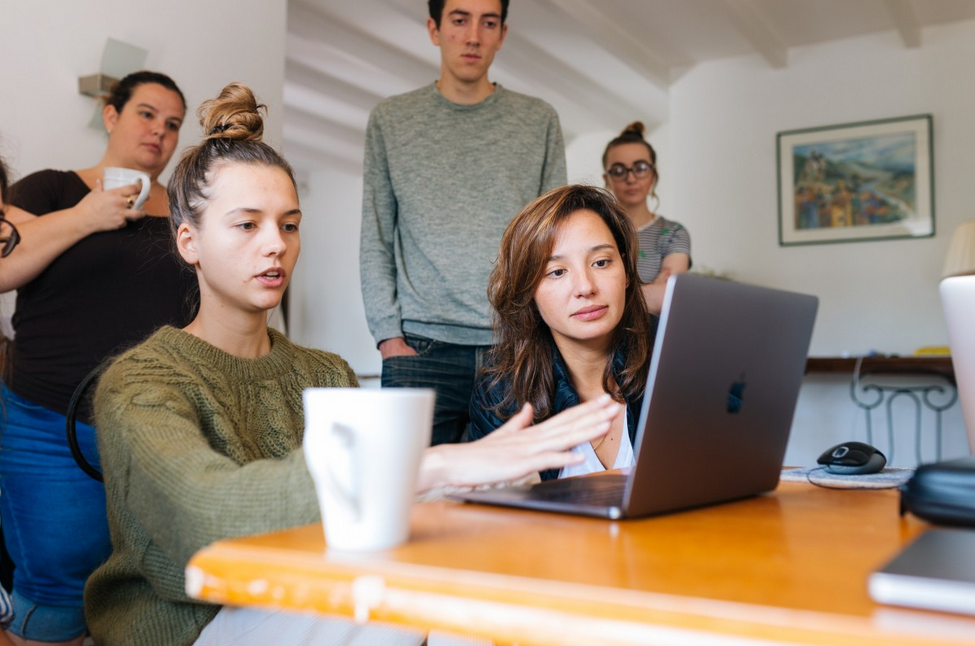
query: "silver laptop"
725, 374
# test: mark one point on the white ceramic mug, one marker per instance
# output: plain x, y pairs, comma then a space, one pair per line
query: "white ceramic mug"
113, 177
363, 449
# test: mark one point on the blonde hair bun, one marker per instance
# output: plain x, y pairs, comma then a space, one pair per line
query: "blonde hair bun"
235, 114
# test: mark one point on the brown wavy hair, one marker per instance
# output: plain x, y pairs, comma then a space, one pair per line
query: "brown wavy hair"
525, 350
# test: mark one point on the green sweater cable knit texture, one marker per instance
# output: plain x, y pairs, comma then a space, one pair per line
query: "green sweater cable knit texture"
196, 446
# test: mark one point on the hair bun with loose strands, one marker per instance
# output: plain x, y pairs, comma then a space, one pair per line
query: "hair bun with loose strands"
235, 114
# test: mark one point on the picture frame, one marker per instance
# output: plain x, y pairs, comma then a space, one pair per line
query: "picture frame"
854, 182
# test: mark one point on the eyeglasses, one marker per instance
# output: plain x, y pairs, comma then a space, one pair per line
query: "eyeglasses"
9, 236
640, 170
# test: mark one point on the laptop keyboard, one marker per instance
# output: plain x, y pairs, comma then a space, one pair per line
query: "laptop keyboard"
601, 491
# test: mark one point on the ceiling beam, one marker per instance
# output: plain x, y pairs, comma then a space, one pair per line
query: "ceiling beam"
332, 130
337, 35
309, 158
596, 25
311, 139
525, 60
522, 59
324, 105
905, 19
753, 26
301, 74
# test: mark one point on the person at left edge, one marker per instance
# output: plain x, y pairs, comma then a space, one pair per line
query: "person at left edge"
9, 238
93, 276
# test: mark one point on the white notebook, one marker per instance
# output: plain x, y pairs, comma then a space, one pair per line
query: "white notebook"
935, 572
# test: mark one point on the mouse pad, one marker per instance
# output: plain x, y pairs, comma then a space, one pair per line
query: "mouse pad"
889, 478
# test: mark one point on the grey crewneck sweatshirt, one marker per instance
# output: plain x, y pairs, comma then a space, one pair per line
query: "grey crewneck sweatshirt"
442, 181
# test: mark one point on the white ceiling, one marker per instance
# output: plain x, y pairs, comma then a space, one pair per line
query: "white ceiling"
601, 63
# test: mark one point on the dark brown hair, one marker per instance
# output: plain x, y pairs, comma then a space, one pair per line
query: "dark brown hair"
524, 352
436, 10
232, 129
3, 181
122, 90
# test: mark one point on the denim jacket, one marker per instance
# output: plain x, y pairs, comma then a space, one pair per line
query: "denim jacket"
484, 420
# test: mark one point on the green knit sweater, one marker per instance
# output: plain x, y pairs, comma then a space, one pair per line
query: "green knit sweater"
196, 446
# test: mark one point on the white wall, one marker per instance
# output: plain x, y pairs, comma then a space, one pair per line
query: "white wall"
717, 161
721, 170
45, 45
724, 120
325, 303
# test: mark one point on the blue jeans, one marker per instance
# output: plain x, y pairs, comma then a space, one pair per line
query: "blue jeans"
447, 368
54, 520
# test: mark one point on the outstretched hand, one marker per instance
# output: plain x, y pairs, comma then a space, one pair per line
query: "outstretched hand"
518, 448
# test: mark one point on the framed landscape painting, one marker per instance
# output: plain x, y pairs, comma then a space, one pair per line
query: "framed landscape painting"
872, 180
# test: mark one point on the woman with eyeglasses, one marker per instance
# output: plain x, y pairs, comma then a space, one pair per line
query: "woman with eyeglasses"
94, 275
630, 165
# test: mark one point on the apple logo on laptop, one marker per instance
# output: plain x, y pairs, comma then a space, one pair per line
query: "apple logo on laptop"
736, 394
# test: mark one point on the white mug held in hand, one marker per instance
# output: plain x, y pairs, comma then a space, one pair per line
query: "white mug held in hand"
115, 177
363, 448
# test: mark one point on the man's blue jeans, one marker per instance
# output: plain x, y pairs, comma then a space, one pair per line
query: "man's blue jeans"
447, 368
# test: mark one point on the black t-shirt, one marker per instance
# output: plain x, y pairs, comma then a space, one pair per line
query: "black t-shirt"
106, 293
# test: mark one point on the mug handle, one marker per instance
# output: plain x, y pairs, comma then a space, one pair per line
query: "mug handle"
342, 438
144, 193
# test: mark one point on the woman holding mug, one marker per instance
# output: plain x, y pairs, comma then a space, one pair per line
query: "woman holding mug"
570, 322
94, 275
630, 164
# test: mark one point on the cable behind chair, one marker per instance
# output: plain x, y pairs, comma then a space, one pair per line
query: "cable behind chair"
71, 416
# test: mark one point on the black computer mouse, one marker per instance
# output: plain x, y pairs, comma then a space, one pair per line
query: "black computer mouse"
853, 458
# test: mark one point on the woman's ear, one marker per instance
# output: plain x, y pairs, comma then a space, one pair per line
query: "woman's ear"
109, 117
186, 244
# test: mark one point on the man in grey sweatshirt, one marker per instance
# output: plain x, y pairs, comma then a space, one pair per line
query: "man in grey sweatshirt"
447, 166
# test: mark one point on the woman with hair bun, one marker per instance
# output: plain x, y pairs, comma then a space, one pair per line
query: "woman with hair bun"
200, 428
630, 164
93, 275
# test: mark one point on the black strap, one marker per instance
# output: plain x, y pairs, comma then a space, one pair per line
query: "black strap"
72, 414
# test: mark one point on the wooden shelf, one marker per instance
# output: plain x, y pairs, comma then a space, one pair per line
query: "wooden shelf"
887, 365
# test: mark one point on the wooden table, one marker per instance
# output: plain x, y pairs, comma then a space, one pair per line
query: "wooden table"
788, 567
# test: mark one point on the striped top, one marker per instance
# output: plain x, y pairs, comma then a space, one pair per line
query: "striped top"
659, 239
